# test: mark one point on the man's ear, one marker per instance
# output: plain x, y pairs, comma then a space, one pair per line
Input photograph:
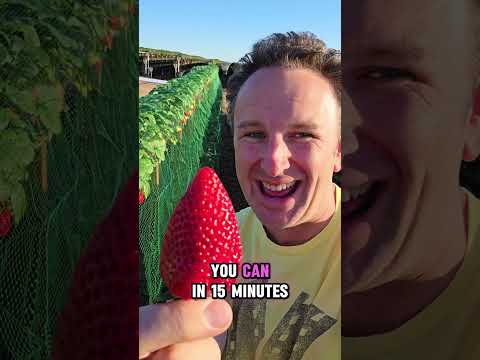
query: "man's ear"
337, 164
471, 148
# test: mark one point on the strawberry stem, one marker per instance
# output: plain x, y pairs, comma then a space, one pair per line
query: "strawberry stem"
44, 164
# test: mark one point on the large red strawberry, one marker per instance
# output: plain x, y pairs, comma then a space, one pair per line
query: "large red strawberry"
5, 222
202, 230
141, 197
100, 318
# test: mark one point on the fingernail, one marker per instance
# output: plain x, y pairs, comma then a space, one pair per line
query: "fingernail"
218, 314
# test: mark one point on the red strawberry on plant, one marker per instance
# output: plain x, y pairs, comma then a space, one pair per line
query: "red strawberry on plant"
132, 9
141, 198
202, 230
115, 23
5, 222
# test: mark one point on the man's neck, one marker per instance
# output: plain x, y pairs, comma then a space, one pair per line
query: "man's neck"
306, 231
389, 306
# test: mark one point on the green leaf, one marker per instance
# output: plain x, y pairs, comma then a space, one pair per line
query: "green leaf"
5, 190
30, 35
23, 99
4, 55
51, 118
42, 57
63, 40
50, 106
73, 21
4, 118
18, 44
15, 121
30, 70
17, 149
19, 202
146, 188
146, 166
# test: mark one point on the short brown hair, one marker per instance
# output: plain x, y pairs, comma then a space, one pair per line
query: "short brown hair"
292, 50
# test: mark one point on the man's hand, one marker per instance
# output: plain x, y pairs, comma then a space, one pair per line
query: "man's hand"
183, 329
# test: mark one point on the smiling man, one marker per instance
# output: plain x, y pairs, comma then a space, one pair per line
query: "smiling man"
410, 238
285, 110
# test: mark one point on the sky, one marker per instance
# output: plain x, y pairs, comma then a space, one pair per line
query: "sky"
227, 30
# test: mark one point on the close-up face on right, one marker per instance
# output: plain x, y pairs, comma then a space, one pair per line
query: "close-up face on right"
409, 78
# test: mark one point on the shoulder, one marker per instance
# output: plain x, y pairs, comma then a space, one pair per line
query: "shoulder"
248, 225
243, 215
473, 219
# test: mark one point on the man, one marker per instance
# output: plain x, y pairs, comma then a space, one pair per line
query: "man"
410, 239
285, 110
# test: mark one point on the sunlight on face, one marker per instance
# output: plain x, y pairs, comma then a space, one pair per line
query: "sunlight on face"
286, 139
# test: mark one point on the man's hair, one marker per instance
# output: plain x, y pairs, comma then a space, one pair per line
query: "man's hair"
291, 50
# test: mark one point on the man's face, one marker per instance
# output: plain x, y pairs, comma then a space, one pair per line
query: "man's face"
286, 139
408, 75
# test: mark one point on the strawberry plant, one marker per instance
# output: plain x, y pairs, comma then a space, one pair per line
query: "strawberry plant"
162, 115
42, 52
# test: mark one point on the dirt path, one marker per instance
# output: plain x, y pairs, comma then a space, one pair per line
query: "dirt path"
145, 87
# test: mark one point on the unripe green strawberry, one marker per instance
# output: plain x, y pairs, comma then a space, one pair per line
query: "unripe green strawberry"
202, 230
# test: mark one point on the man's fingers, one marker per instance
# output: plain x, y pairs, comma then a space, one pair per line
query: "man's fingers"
196, 349
161, 325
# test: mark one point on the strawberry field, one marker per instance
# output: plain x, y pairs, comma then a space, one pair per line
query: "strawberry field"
179, 132
65, 128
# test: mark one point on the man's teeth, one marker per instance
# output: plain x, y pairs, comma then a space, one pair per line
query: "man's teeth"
280, 187
353, 193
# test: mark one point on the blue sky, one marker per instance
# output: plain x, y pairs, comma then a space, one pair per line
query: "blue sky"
227, 29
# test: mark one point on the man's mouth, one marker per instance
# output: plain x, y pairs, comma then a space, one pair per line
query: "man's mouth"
357, 200
283, 190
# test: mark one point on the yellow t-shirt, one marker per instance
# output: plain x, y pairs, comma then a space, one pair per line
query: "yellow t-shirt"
306, 325
448, 328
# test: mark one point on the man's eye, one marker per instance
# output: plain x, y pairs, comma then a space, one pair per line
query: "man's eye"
302, 135
386, 74
254, 135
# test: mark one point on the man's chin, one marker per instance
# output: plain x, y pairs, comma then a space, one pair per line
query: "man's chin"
274, 219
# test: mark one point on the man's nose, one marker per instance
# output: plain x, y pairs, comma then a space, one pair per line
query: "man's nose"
276, 157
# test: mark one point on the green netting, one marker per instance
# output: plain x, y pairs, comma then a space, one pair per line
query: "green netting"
199, 147
88, 161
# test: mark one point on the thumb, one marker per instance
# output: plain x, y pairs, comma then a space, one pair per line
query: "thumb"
161, 325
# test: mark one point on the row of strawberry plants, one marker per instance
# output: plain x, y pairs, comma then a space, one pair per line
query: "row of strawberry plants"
162, 116
43, 51
181, 163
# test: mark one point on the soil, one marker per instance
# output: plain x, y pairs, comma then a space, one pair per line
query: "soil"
145, 87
